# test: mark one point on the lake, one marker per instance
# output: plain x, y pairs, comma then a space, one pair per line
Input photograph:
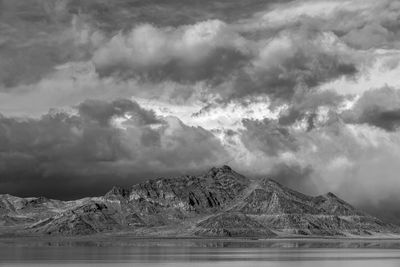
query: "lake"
215, 253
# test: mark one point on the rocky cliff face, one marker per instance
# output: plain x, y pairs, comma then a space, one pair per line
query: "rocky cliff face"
218, 203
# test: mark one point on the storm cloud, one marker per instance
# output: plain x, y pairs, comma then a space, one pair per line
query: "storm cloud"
115, 139
101, 93
379, 107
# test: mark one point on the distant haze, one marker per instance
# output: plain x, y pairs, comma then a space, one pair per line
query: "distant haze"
101, 93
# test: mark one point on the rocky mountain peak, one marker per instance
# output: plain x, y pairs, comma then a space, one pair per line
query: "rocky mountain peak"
331, 195
215, 171
226, 176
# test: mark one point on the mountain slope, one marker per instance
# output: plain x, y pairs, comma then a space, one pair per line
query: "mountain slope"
285, 210
16, 211
232, 225
219, 203
90, 218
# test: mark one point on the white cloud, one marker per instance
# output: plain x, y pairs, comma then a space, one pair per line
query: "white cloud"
148, 46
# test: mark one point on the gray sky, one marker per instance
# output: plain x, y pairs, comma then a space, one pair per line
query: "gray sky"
100, 93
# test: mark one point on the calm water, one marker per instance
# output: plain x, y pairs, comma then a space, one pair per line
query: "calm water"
201, 253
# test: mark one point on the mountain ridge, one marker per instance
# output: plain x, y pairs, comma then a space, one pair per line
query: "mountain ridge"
219, 203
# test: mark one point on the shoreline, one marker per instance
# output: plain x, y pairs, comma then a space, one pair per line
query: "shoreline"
117, 237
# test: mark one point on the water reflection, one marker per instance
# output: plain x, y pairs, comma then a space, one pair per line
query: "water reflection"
202, 243
231, 253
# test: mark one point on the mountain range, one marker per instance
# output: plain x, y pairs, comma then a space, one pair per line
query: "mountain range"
220, 203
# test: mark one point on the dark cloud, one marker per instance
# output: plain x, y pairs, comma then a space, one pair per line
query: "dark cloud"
386, 209
122, 14
308, 107
103, 112
267, 136
26, 66
385, 119
295, 176
37, 35
379, 107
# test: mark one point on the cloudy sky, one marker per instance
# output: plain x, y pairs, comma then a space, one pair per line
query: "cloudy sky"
96, 93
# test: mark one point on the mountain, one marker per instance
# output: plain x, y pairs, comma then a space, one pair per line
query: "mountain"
220, 203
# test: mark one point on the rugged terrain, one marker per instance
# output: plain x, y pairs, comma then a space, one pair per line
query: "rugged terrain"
220, 203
